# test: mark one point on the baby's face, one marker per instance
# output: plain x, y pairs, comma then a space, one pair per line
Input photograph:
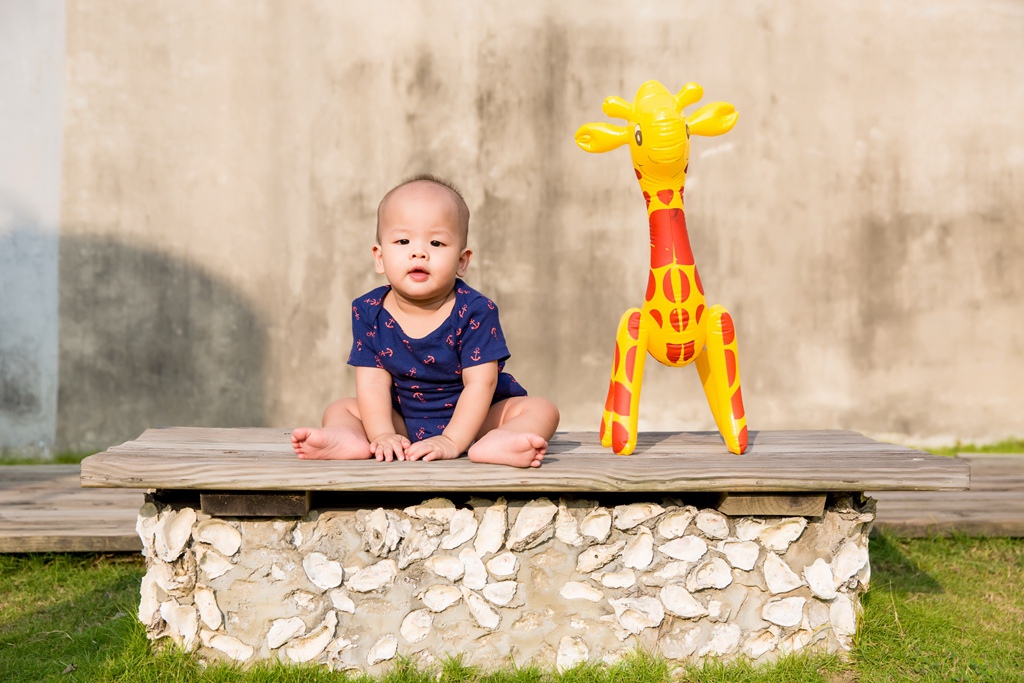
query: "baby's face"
421, 249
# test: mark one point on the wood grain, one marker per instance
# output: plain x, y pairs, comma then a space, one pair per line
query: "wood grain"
790, 461
771, 505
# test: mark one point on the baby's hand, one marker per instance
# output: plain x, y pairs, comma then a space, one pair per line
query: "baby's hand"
435, 448
389, 446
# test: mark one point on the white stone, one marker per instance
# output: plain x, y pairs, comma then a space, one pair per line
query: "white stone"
211, 562
276, 573
206, 603
305, 600
420, 543
597, 556
178, 579
795, 642
567, 529
741, 554
678, 601
491, 534
759, 643
232, 647
785, 611
462, 528
778, 536
687, 548
307, 648
505, 565
436, 509
283, 630
636, 614
725, 639
597, 525
623, 579
667, 574
626, 517
145, 527
474, 572
381, 535
819, 577
341, 601
449, 567
171, 532
323, 572
748, 529
581, 590
572, 651
383, 650
639, 552
713, 573
843, 616
183, 623
778, 576
850, 559
533, 525
149, 605
439, 598
225, 538
500, 593
673, 525
481, 611
680, 642
716, 611
416, 625
374, 577
712, 524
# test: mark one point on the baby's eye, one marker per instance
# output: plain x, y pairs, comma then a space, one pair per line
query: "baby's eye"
436, 243
403, 241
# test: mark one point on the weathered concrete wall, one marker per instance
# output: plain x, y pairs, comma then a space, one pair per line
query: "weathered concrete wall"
31, 93
862, 221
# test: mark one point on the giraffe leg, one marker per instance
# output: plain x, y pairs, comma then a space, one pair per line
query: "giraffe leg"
719, 371
622, 408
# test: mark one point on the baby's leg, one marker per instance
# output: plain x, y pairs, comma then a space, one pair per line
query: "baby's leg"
516, 432
341, 438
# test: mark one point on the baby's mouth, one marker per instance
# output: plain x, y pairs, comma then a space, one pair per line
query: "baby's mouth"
418, 275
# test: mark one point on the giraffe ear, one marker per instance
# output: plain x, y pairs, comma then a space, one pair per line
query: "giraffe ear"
713, 119
690, 94
601, 137
617, 108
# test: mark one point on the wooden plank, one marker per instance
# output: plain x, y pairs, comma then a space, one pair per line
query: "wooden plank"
771, 505
43, 509
261, 459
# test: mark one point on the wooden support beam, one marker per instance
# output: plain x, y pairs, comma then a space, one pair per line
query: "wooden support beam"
771, 504
256, 504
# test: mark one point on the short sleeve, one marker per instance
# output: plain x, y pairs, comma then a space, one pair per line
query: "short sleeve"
481, 340
364, 342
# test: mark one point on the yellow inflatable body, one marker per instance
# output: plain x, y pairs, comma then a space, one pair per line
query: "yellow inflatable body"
674, 325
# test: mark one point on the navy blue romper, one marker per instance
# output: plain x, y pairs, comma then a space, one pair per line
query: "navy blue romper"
426, 372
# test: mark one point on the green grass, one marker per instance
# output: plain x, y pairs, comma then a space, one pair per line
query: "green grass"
1005, 446
943, 609
63, 458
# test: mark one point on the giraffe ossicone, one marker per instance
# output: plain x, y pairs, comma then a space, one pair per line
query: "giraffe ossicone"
674, 325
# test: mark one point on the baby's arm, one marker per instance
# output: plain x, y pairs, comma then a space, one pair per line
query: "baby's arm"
373, 394
479, 382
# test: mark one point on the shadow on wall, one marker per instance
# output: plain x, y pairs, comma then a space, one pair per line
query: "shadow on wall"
147, 340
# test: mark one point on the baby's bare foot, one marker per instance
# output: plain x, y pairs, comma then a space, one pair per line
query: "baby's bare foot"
503, 447
330, 443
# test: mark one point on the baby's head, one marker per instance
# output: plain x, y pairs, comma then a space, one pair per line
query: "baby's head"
422, 227
432, 189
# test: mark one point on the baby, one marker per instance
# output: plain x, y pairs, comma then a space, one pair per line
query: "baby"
429, 352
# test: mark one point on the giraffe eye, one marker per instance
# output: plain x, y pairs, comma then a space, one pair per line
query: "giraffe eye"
639, 137
687, 129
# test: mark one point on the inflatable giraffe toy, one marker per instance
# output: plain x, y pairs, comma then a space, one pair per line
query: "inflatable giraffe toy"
673, 325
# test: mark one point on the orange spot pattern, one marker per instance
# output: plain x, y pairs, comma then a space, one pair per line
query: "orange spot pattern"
630, 363
665, 196
728, 331
743, 439
737, 404
619, 437
656, 316
679, 319
730, 365
620, 402
637, 171
634, 325
700, 287
673, 352
700, 312
650, 286
688, 350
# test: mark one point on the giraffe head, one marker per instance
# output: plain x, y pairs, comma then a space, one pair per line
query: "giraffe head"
657, 131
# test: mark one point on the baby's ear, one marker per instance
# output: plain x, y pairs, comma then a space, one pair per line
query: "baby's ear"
378, 259
601, 137
464, 259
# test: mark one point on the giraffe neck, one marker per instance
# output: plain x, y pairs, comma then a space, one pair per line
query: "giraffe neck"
670, 243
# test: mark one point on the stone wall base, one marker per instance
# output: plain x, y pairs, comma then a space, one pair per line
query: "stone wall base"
529, 581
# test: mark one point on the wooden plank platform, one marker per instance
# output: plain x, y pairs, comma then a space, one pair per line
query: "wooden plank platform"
994, 506
44, 509
790, 461
80, 520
